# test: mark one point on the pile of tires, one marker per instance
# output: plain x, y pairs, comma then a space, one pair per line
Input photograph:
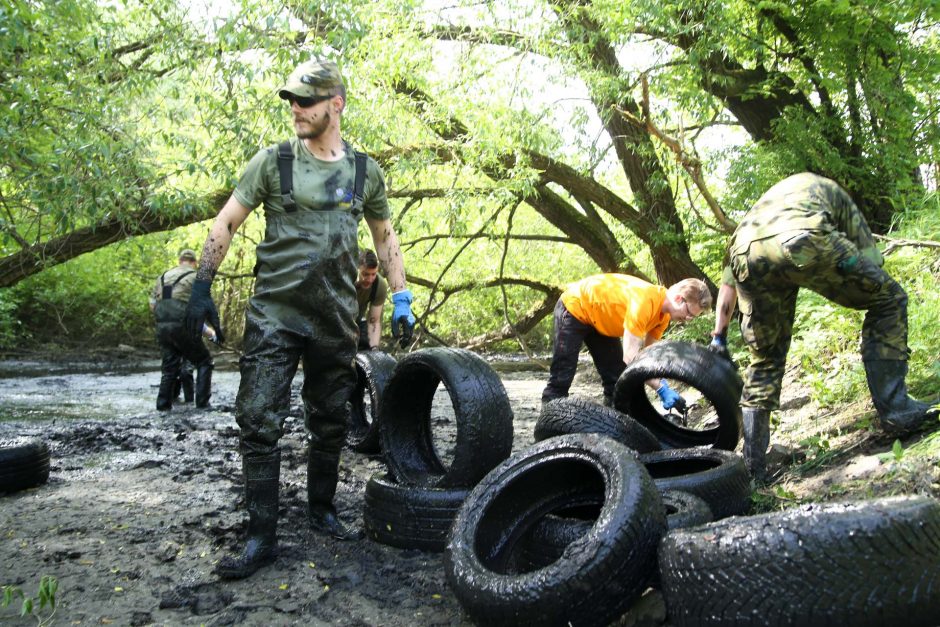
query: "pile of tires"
414, 503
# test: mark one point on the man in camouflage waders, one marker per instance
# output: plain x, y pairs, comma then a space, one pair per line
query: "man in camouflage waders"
805, 231
168, 303
304, 302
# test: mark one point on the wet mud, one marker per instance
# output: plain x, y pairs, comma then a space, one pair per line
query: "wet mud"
140, 505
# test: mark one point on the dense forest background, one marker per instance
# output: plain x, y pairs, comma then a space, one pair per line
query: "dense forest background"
526, 143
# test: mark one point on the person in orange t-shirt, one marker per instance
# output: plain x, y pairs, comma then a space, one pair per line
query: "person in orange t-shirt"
601, 310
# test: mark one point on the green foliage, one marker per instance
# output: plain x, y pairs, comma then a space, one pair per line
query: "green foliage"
34, 606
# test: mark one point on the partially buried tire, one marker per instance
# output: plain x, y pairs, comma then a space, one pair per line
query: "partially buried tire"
717, 477
373, 369
577, 415
598, 576
865, 563
712, 375
24, 463
482, 415
410, 517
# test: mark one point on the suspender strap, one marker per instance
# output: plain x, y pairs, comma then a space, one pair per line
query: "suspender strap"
359, 186
285, 168
167, 290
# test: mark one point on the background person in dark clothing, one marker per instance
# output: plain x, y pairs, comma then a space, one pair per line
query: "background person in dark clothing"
371, 291
168, 303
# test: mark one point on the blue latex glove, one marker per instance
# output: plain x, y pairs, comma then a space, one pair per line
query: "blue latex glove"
719, 346
403, 321
201, 311
670, 397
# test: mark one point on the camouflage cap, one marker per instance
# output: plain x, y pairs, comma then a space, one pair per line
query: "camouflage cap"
313, 78
188, 253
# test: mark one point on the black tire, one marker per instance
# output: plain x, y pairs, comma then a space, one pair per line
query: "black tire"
695, 365
598, 576
717, 477
24, 463
482, 414
867, 563
373, 369
410, 517
546, 540
577, 415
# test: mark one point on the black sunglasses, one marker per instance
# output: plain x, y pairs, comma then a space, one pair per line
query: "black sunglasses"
306, 103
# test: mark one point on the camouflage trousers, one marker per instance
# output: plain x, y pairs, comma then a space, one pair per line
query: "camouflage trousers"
770, 274
272, 355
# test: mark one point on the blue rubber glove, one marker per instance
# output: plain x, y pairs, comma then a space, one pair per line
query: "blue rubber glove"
201, 310
670, 397
403, 321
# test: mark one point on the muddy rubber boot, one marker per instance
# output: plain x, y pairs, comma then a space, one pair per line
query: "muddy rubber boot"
262, 474
203, 386
899, 413
165, 395
322, 476
756, 440
186, 383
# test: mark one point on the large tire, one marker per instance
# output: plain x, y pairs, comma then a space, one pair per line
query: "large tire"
482, 414
717, 477
577, 415
695, 365
409, 517
598, 576
24, 463
373, 369
546, 540
864, 564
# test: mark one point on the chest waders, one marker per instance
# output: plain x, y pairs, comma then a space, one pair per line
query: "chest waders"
303, 307
175, 345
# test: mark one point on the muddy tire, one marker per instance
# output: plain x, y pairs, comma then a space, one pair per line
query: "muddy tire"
598, 576
717, 477
547, 540
482, 414
695, 365
577, 415
24, 463
409, 517
373, 369
864, 563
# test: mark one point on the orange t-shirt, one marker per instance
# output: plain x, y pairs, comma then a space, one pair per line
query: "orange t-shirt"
615, 303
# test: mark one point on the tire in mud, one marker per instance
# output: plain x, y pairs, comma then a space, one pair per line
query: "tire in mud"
712, 375
373, 369
546, 541
410, 517
24, 463
598, 576
481, 409
863, 563
578, 415
717, 477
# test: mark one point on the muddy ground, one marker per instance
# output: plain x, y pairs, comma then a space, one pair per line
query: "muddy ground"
140, 505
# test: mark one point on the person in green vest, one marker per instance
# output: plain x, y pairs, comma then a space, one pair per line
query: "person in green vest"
168, 302
315, 188
806, 231
371, 291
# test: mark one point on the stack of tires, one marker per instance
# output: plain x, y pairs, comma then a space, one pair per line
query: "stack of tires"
573, 529
414, 503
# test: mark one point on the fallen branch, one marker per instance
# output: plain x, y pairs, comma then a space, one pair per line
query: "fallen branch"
895, 243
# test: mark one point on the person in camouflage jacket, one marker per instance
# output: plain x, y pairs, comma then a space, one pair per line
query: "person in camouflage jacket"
806, 231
